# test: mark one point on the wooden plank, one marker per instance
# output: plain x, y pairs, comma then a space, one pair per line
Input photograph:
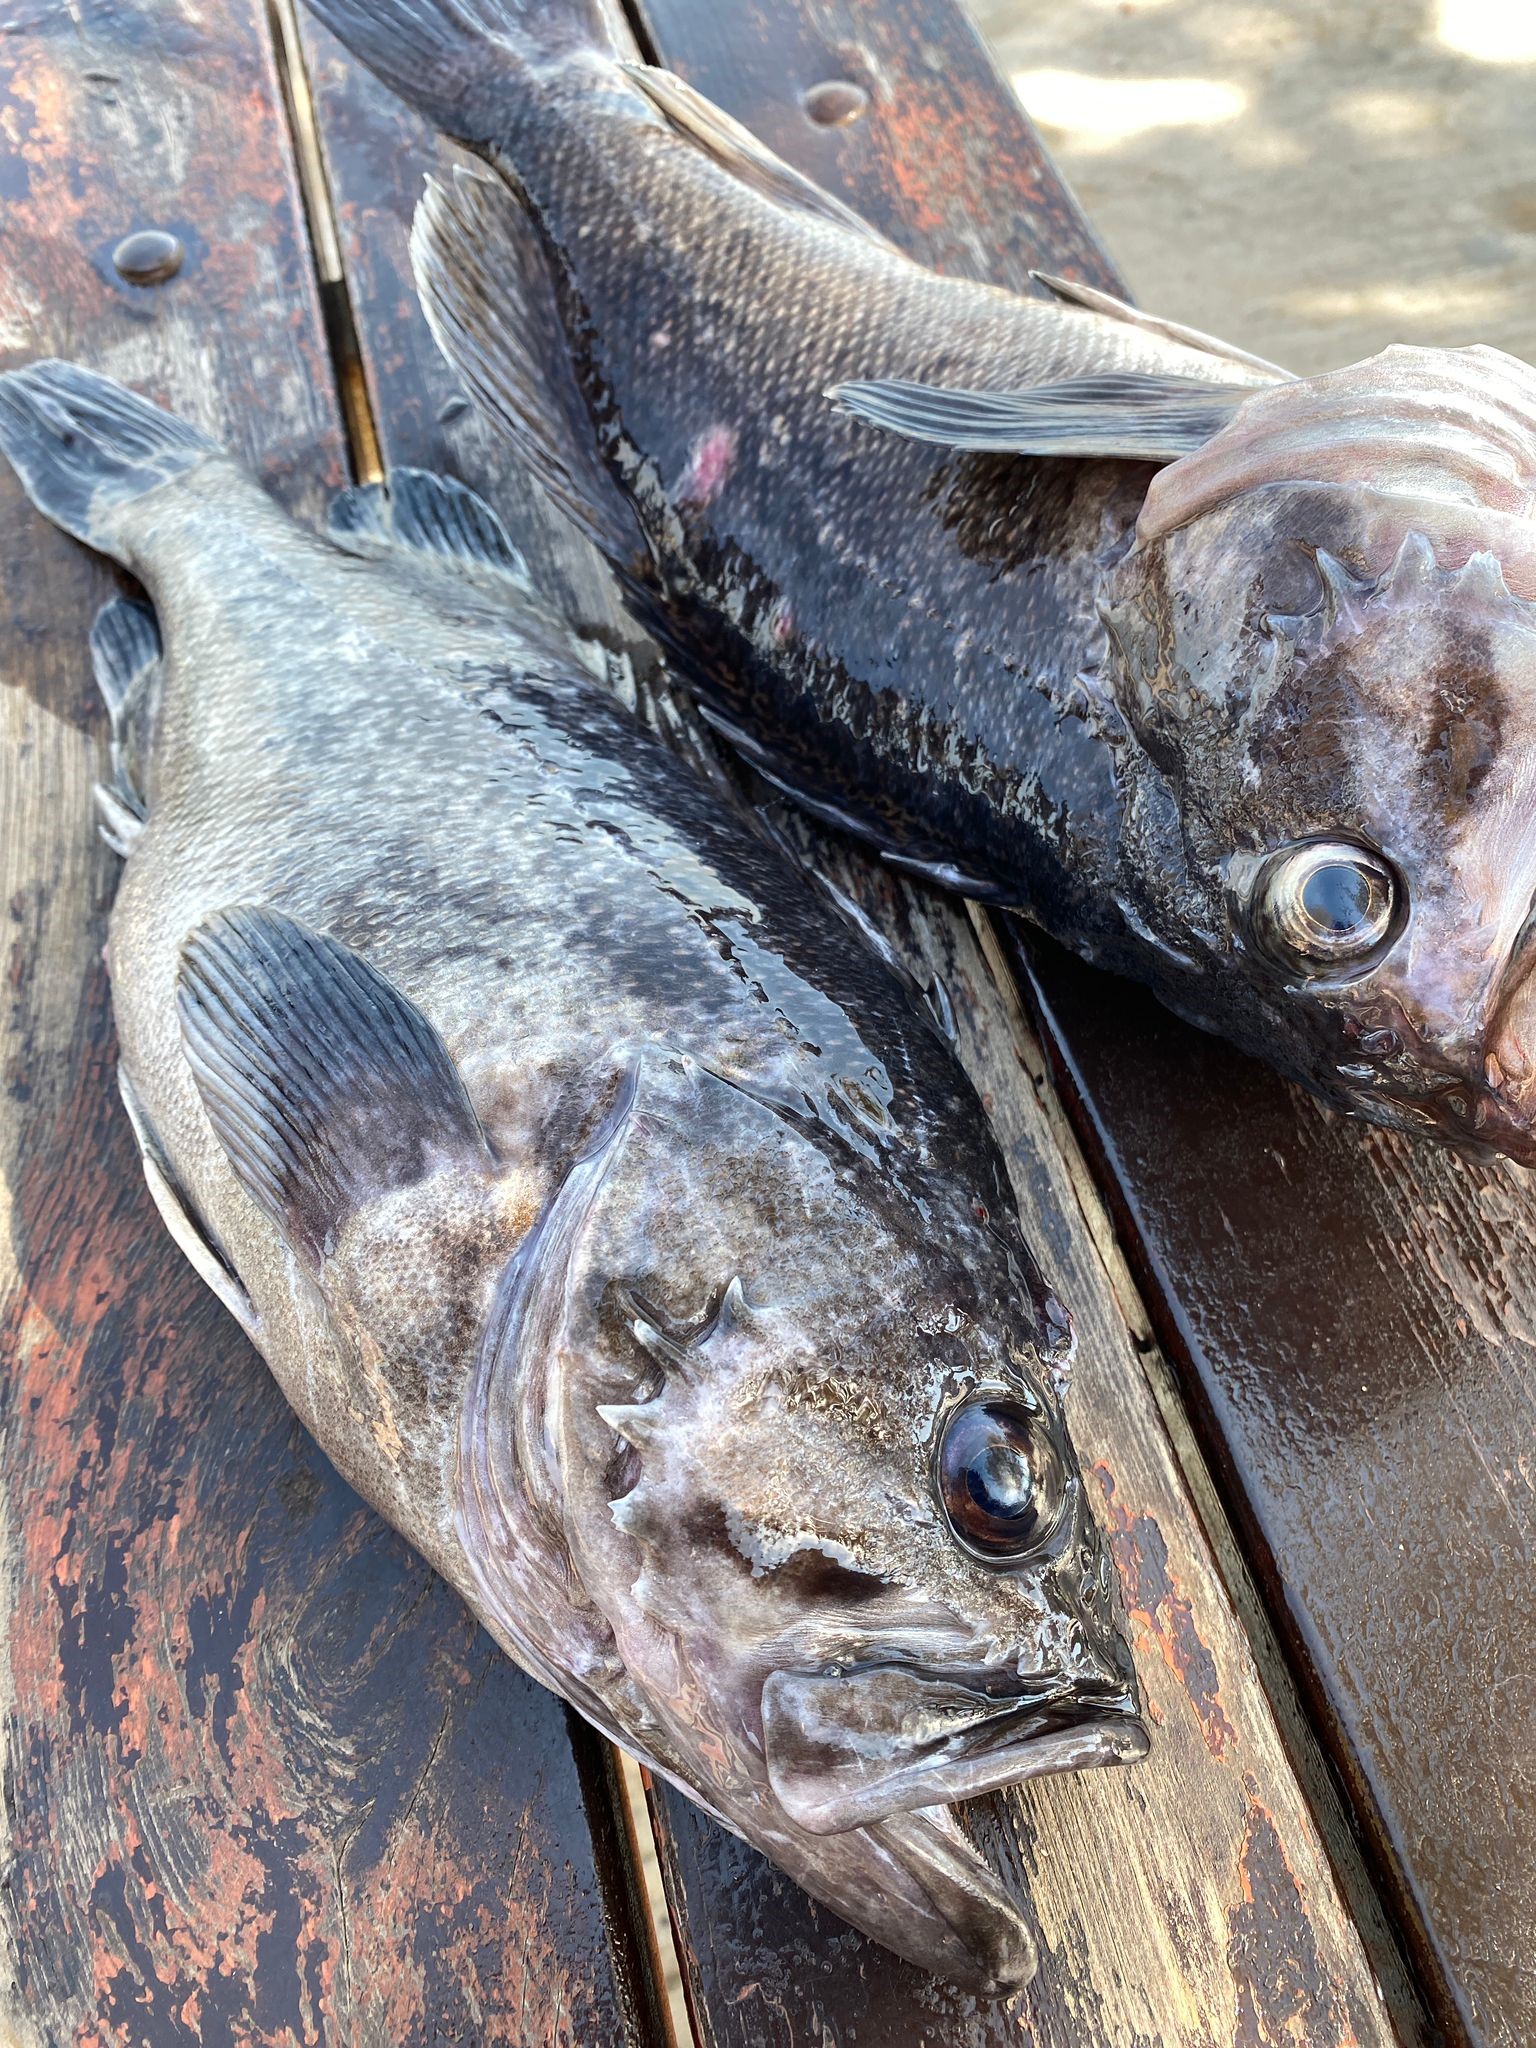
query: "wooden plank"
266, 1782
1353, 1314
1191, 1899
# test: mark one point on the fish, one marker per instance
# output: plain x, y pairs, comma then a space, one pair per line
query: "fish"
1225, 679
618, 1220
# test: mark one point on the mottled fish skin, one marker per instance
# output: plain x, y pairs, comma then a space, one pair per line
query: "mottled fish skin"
619, 1222
938, 635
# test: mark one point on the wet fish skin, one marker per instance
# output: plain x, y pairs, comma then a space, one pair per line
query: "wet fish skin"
617, 1221
927, 616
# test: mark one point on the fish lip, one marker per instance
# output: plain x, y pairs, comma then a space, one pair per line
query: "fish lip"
987, 1945
833, 1767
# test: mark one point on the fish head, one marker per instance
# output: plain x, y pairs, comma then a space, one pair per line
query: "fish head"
1323, 649
815, 1475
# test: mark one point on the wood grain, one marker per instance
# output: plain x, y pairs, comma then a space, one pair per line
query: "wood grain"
266, 1782
1188, 1901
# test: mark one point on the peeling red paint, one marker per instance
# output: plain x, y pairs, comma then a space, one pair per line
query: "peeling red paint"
1162, 1614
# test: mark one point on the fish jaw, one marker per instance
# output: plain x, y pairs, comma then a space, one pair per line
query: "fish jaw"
844, 1749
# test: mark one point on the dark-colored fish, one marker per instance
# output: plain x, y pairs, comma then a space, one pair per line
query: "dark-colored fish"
1257, 727
621, 1225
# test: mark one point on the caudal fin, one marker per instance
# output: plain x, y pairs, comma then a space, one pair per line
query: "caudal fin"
453, 59
83, 446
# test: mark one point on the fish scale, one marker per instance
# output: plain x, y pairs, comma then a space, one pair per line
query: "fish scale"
619, 1221
1020, 589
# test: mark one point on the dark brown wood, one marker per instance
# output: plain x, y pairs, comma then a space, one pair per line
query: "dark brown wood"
1354, 1316
1189, 1901
265, 1781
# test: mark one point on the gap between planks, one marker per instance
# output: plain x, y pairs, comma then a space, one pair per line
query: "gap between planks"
668, 1998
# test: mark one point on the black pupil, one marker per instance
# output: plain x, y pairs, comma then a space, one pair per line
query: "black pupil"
996, 1477
1338, 898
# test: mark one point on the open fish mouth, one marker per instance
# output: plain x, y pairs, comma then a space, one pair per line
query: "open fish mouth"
879, 1752
845, 1749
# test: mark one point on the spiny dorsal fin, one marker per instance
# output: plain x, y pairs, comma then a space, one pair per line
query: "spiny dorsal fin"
740, 152
325, 1086
1133, 416
1074, 294
437, 520
489, 298
126, 655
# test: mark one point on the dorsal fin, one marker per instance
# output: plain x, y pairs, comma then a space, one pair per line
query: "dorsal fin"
490, 300
1134, 416
1095, 301
324, 1084
740, 152
126, 657
436, 519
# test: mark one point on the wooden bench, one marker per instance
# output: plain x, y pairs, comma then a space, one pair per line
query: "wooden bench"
266, 1782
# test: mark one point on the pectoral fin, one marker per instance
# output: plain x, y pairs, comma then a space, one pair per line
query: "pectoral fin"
325, 1086
1127, 416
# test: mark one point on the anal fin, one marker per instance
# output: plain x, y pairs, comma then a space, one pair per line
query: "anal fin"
483, 272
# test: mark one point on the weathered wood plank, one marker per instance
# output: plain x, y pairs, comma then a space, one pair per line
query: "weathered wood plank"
265, 1780
1190, 1900
1356, 1318
1352, 1314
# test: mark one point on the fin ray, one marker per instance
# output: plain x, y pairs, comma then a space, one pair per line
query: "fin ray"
1127, 415
193, 1236
489, 296
737, 150
1071, 293
323, 1083
126, 658
438, 521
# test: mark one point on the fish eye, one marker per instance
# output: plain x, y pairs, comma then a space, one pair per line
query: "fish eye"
1001, 1479
1325, 904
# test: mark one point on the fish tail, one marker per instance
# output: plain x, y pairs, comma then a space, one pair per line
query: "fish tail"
84, 447
452, 59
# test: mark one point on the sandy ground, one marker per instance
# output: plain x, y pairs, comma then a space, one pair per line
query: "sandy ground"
1312, 178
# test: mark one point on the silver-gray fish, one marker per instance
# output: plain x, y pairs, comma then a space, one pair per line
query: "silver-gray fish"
621, 1224
1257, 727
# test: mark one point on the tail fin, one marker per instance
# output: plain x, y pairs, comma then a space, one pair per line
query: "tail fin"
83, 446
450, 59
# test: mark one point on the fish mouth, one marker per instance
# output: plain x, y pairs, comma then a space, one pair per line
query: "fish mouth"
846, 1749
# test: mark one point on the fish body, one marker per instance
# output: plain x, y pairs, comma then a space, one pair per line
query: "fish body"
940, 561
618, 1221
